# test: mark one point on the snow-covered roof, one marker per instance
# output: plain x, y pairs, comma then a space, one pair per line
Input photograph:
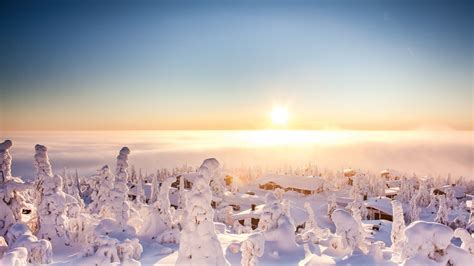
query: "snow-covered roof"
293, 181
242, 198
383, 204
298, 214
392, 191
459, 191
249, 213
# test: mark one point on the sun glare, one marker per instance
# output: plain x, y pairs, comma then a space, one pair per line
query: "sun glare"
279, 116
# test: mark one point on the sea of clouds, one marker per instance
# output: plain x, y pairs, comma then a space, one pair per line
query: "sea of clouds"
421, 152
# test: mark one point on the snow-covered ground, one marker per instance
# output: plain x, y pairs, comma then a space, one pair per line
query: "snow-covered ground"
203, 216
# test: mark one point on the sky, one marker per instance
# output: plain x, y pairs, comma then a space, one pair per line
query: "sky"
133, 65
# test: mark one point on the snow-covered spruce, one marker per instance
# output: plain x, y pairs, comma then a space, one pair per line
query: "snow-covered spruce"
42, 164
51, 201
398, 227
53, 221
12, 191
101, 185
5, 160
198, 240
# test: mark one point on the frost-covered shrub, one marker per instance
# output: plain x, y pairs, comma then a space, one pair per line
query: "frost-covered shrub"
312, 232
466, 238
3, 246
105, 245
198, 240
348, 229
15, 257
398, 227
423, 195
271, 213
158, 218
38, 251
442, 215
426, 239
375, 251
277, 226
252, 249
130, 252
224, 215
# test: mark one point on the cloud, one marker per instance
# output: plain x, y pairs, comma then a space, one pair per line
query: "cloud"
423, 152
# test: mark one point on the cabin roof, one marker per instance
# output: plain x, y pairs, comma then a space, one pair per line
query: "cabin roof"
383, 204
298, 214
293, 181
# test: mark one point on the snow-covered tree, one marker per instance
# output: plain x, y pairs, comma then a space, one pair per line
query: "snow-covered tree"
414, 210
312, 232
140, 193
155, 188
53, 221
252, 249
43, 169
217, 181
470, 223
102, 185
398, 227
51, 201
121, 172
332, 205
348, 229
38, 251
423, 196
5, 160
466, 238
407, 189
12, 191
164, 204
429, 243
442, 215
117, 205
198, 241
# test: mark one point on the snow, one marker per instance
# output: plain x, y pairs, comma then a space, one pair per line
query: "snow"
90, 220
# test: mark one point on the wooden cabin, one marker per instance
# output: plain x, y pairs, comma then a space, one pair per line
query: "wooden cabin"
379, 208
306, 185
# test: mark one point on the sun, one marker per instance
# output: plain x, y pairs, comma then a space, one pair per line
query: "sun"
279, 116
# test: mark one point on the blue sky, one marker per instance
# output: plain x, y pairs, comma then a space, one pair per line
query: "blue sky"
224, 64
